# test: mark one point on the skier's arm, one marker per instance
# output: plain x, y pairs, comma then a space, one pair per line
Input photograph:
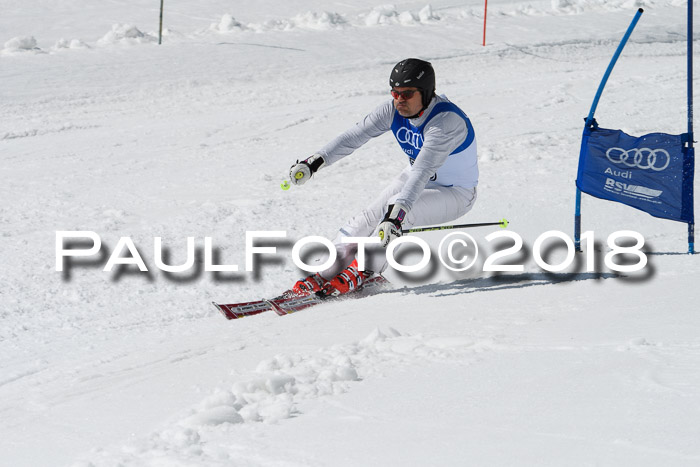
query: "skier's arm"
441, 136
373, 125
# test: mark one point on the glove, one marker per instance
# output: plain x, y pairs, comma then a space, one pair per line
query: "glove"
302, 171
390, 226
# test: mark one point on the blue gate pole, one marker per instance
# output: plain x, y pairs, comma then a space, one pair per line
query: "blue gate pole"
691, 151
612, 64
589, 119
577, 222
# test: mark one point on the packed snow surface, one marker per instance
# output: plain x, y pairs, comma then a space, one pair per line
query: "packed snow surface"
104, 130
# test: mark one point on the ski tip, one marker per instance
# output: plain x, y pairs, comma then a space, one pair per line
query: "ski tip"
223, 311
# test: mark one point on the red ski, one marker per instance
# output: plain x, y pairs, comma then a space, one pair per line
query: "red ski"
288, 302
240, 310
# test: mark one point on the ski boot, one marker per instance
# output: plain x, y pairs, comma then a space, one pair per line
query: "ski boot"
311, 284
348, 280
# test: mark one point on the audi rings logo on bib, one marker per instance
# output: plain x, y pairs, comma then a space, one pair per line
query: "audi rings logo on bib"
408, 136
641, 158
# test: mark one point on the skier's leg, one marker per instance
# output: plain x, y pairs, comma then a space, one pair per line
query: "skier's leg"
435, 205
438, 205
362, 225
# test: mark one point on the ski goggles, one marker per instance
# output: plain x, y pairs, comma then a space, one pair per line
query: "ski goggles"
405, 94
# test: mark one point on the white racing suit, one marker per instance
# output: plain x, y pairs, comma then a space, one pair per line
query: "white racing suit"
438, 186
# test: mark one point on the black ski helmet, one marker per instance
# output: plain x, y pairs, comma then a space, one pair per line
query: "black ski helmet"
415, 73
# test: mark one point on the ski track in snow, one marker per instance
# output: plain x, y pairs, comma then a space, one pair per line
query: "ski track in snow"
279, 386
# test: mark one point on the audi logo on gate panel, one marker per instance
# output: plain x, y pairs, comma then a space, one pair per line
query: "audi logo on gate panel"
642, 158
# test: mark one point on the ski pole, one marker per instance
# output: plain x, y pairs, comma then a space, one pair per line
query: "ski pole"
503, 223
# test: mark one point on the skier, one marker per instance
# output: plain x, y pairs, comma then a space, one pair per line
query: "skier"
438, 185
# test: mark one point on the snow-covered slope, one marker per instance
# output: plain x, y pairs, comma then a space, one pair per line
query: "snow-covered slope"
106, 131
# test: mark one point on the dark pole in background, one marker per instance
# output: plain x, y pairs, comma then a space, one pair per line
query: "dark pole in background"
160, 29
486, 3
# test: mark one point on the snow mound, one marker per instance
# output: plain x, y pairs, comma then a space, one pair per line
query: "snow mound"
388, 14
383, 14
426, 14
72, 44
579, 6
311, 20
319, 21
227, 24
21, 44
125, 34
